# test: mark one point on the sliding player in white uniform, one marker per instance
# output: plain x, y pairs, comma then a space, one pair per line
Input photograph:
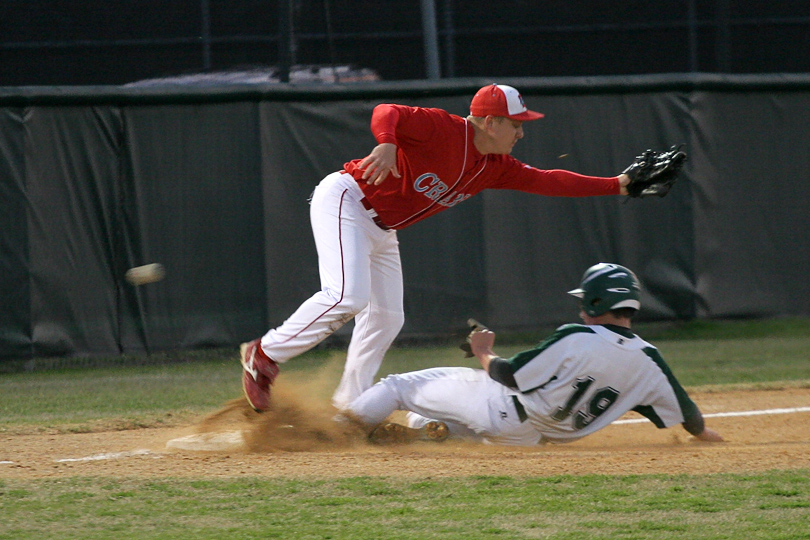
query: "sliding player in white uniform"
577, 381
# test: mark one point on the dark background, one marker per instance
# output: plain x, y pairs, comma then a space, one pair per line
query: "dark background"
212, 182
101, 42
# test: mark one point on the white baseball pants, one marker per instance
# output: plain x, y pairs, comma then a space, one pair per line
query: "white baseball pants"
361, 278
471, 404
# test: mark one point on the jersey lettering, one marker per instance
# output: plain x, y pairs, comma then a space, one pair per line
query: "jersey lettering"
452, 200
600, 402
434, 189
425, 181
580, 387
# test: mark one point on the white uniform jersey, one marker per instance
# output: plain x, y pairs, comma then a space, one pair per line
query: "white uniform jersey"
582, 378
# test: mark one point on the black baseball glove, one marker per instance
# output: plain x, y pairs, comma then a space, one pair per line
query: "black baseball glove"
653, 173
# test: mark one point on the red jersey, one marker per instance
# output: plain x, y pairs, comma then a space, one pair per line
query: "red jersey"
440, 167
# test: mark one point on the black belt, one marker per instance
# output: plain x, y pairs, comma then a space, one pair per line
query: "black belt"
373, 214
522, 416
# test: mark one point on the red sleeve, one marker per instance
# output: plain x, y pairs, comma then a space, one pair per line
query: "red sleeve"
396, 124
570, 184
555, 182
384, 123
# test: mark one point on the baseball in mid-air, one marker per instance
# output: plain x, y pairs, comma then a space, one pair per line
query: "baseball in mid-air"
148, 273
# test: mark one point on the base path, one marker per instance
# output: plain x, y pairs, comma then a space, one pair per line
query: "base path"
294, 442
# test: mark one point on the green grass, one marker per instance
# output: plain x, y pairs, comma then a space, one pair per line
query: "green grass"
726, 506
773, 505
129, 396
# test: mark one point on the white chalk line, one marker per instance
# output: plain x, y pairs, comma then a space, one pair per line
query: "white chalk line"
724, 414
113, 455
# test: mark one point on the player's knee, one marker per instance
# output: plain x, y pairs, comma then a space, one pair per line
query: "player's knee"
354, 304
351, 303
391, 385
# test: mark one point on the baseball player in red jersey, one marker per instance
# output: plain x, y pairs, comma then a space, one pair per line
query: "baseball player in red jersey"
426, 161
576, 382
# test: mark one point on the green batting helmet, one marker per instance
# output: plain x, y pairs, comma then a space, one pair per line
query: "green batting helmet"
607, 286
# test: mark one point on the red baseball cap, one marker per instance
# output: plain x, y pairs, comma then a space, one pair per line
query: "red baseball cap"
501, 100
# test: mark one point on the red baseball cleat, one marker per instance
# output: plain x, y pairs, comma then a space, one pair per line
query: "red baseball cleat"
259, 373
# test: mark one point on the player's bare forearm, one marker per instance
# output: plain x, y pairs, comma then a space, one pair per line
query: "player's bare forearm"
623, 181
486, 359
481, 343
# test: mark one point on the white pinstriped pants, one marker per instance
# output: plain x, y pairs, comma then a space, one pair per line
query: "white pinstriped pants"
361, 278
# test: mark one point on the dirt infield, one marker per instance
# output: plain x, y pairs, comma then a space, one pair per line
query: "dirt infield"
317, 448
